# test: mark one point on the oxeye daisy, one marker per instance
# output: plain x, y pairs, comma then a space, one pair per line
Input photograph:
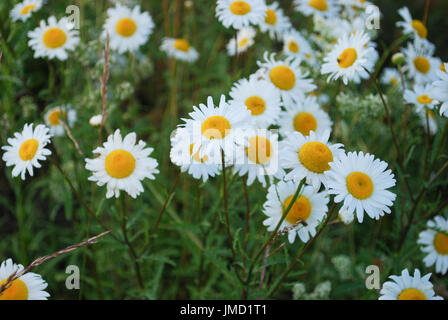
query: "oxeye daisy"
30, 286
127, 29
434, 242
304, 117
323, 8
420, 63
55, 116
309, 157
287, 77
240, 13
260, 97
440, 89
409, 25
54, 39
275, 22
407, 287
295, 45
349, 58
360, 181
391, 77
428, 120
244, 40
421, 97
217, 128
122, 164
259, 159
23, 10
179, 49
26, 149
182, 155
310, 207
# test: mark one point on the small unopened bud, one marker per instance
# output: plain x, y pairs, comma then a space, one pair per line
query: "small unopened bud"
95, 121
345, 217
398, 59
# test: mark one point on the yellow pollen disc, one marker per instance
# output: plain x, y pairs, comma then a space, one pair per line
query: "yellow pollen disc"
126, 27
240, 8
54, 38
283, 77
305, 122
120, 164
441, 243
422, 64
442, 67
196, 156
243, 42
320, 5
359, 185
256, 105
315, 156
347, 58
54, 117
27, 9
301, 209
394, 81
271, 17
259, 150
28, 149
411, 294
182, 45
215, 127
420, 28
293, 46
424, 99
17, 291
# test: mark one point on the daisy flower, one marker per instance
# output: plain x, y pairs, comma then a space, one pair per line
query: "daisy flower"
295, 45
310, 207
349, 57
240, 13
182, 155
391, 77
304, 117
26, 149
407, 287
428, 120
54, 39
127, 29
420, 96
30, 286
323, 8
217, 128
360, 181
122, 164
309, 157
420, 63
260, 97
23, 10
260, 158
54, 116
244, 40
179, 49
409, 25
275, 23
286, 76
434, 242
440, 89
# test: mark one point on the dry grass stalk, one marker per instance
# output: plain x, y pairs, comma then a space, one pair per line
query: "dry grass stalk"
104, 81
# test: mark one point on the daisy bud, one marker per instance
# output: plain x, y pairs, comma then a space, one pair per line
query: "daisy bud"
398, 59
95, 121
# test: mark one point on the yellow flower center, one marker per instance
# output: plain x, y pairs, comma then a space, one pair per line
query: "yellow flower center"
420, 28
17, 291
301, 209
320, 5
27, 9
259, 150
315, 156
394, 81
411, 294
424, 99
441, 243
240, 8
196, 156
359, 185
126, 27
54, 117
215, 127
347, 58
256, 105
304, 122
271, 17
293, 46
283, 77
422, 64
182, 45
243, 42
120, 164
54, 38
442, 67
28, 149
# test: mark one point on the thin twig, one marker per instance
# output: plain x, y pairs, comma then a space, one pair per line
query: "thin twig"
104, 80
70, 135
